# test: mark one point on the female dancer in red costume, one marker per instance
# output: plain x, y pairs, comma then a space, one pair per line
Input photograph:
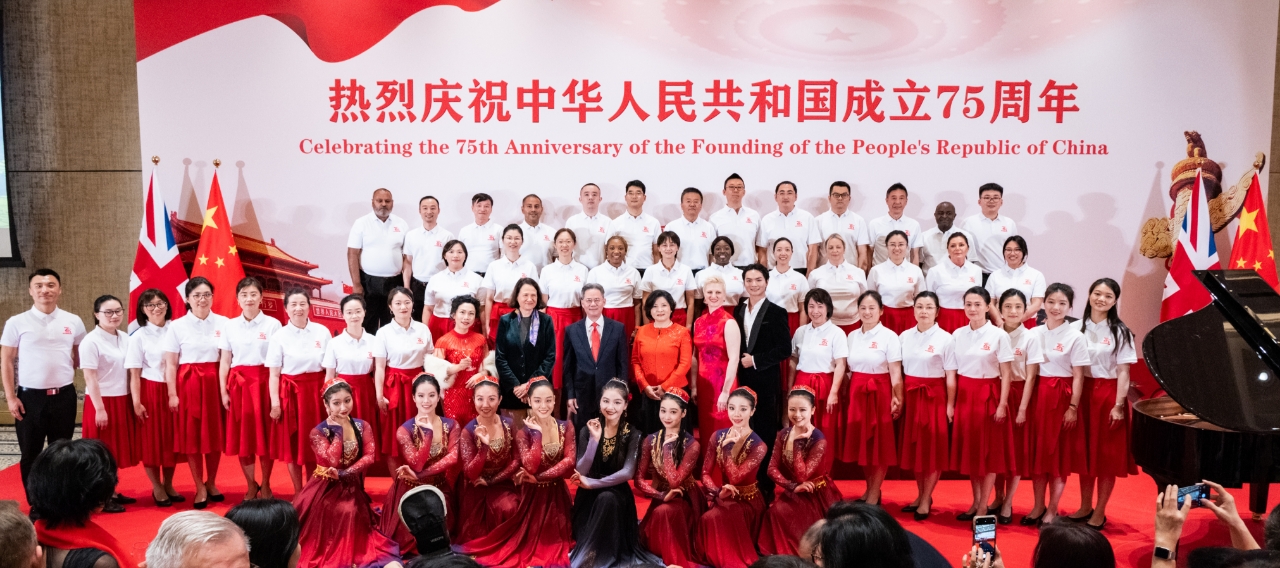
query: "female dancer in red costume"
665, 476
539, 534
736, 453
800, 469
339, 527
717, 339
465, 350
429, 444
489, 461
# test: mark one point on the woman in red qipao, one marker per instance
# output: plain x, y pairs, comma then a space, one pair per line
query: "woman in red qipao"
800, 469
489, 461
465, 351
665, 475
717, 339
245, 381
339, 526
539, 534
725, 530
429, 445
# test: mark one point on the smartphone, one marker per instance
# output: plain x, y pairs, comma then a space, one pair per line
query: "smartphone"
984, 529
1195, 492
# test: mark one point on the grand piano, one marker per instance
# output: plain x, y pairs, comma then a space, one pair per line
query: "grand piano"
1220, 367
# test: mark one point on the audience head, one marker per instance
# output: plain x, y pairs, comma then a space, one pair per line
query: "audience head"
811, 542
272, 527
1064, 544
781, 561
447, 560
858, 534
194, 539
18, 547
70, 480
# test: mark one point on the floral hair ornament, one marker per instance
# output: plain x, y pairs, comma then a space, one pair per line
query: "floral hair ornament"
335, 381
678, 393
805, 388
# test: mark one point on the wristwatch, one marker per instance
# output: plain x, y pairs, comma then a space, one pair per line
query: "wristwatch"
1163, 553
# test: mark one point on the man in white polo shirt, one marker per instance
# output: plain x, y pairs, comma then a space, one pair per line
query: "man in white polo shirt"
375, 257
880, 227
796, 224
423, 251
640, 229
483, 236
738, 222
840, 220
589, 227
695, 232
934, 241
990, 229
41, 396
538, 236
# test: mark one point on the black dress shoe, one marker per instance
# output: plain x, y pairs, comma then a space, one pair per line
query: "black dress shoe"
910, 508
200, 504
1005, 520
920, 516
1030, 521
121, 499
177, 498
1097, 527
112, 507
1082, 519
966, 516
217, 498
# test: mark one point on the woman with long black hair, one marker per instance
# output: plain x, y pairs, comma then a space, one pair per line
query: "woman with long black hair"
666, 476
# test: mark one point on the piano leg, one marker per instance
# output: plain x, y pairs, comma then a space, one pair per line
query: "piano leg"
1260, 476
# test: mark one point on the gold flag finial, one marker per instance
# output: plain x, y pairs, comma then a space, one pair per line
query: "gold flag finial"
155, 160
217, 162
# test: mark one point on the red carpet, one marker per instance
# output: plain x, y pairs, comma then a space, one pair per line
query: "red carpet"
1129, 526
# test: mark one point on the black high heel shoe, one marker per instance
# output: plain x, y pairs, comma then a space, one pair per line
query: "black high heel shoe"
910, 508
1030, 521
1004, 520
121, 499
1097, 527
966, 516
198, 505
177, 498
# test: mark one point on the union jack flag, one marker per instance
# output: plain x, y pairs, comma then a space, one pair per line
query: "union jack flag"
156, 263
1195, 250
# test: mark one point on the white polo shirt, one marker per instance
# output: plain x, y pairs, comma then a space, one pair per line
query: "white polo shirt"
897, 284
296, 350
933, 243
741, 227
44, 343
446, 285
105, 353
733, 285
247, 340
349, 356
1027, 280
406, 347
990, 235
928, 354
798, 226
483, 243
146, 352
819, 347
871, 352
562, 283
640, 233
1026, 351
787, 289
502, 275
621, 285
845, 283
695, 241
1063, 347
426, 248
381, 244
950, 282
195, 340
539, 243
979, 352
850, 225
676, 281
1104, 358
880, 227
590, 232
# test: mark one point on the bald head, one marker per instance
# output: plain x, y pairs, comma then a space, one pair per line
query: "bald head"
382, 203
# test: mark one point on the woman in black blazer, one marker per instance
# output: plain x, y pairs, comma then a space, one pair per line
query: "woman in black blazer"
525, 350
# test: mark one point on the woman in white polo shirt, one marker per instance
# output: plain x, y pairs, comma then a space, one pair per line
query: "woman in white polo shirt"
844, 281
359, 358
561, 282
407, 344
501, 278
951, 279
156, 421
108, 409
898, 282
246, 392
621, 284
455, 279
929, 375
672, 276
1026, 362
787, 287
294, 356
875, 394
818, 352
191, 371
1016, 274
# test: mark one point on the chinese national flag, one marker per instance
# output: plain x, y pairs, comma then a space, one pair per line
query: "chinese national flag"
1252, 248
217, 258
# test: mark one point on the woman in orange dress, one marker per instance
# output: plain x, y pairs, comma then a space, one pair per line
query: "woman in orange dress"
660, 359
465, 351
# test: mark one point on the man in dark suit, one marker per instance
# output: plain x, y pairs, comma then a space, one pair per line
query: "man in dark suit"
595, 350
766, 343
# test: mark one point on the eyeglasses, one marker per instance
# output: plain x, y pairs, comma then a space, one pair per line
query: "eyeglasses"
155, 306
112, 313
840, 195
992, 197
202, 295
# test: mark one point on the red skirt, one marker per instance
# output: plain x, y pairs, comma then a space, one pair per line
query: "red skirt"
200, 428
868, 425
561, 318
951, 319
339, 525
1055, 451
726, 530
121, 435
900, 319
301, 409
486, 506
248, 430
821, 383
1021, 432
156, 431
925, 438
398, 388
495, 314
1029, 323
980, 445
539, 534
627, 316
1109, 451
680, 316
668, 527
364, 401
791, 514
438, 327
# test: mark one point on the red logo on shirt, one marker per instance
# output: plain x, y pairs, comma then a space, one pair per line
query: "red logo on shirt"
911, 280
66, 331
217, 333
576, 278
986, 346
370, 354
680, 282
420, 342
850, 226
645, 229
822, 343
704, 234
491, 237
907, 231
748, 220
395, 229
735, 277
848, 277
1027, 281
523, 276
626, 280
1004, 229
262, 336
546, 238
971, 280
465, 285
1017, 351
928, 349
799, 224
439, 244
602, 229
872, 346
1106, 341
793, 286
1058, 348
317, 345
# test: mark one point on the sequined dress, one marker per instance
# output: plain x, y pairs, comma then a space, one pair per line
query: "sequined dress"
726, 531
668, 526
434, 459
458, 399
495, 501
604, 510
792, 513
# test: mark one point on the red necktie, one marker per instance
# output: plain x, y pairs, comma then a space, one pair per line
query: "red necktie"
595, 341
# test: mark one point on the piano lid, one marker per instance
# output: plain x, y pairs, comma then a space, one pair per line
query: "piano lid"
1222, 362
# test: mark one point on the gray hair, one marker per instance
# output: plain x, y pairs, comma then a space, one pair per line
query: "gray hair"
592, 286
182, 533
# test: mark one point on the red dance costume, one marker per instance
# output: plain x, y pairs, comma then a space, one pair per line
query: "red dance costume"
725, 531
713, 363
300, 403
540, 532
668, 526
248, 434
561, 318
338, 521
458, 399
494, 502
398, 388
364, 399
793, 513
200, 422
434, 460
925, 440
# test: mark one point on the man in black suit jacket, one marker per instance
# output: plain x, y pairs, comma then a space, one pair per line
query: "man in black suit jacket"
585, 373
766, 343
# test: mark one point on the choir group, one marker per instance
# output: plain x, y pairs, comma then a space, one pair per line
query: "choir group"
722, 367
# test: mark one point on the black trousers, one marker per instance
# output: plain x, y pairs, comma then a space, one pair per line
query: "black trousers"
377, 312
46, 418
419, 289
